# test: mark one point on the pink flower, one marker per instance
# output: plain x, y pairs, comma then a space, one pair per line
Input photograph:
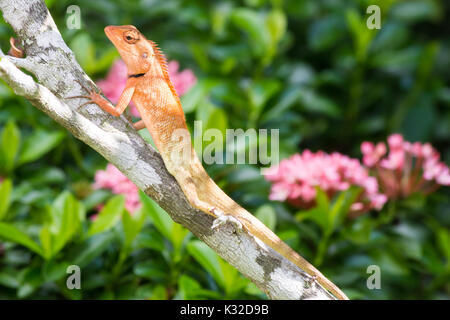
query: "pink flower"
182, 81
395, 141
407, 168
372, 153
295, 180
114, 83
118, 183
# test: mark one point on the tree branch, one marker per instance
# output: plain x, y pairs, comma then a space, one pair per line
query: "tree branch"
55, 67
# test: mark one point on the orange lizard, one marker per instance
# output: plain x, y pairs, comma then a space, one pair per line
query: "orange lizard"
151, 90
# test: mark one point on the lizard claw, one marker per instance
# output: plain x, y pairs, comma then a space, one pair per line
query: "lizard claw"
215, 211
86, 89
311, 280
16, 50
80, 97
93, 97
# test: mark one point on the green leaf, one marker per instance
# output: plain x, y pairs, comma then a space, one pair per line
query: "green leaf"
159, 293
362, 35
160, 218
31, 281
324, 33
341, 205
418, 10
288, 98
179, 234
262, 90
95, 198
443, 237
314, 102
11, 233
90, 249
53, 270
38, 144
200, 55
320, 213
105, 61
234, 283
46, 176
208, 259
10, 145
191, 99
84, 50
267, 215
190, 289
276, 24
5, 197
46, 241
132, 225
151, 270
254, 25
187, 287
71, 213
217, 120
359, 232
108, 216
151, 239
9, 278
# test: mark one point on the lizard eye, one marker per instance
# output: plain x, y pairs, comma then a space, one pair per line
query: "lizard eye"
131, 36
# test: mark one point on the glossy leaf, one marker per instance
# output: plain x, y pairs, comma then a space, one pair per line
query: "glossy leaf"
109, 216
10, 233
5, 197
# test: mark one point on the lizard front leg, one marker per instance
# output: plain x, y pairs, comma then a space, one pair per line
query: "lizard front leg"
122, 104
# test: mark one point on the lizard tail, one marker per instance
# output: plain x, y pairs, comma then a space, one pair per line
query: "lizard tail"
212, 193
259, 230
302, 263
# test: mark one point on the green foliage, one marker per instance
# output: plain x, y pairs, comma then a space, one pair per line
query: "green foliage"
311, 69
108, 216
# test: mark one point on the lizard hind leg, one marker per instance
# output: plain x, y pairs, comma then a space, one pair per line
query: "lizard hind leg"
191, 194
220, 217
139, 125
189, 188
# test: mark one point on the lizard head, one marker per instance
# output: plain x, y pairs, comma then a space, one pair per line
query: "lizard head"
136, 51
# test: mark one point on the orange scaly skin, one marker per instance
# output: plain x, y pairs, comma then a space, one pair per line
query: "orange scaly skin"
153, 94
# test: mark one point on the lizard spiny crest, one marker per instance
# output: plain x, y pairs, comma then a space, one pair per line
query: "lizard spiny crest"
162, 60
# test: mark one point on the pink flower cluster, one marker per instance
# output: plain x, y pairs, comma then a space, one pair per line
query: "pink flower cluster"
114, 83
118, 183
295, 180
407, 168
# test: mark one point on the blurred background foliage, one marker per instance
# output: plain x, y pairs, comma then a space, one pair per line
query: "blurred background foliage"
309, 68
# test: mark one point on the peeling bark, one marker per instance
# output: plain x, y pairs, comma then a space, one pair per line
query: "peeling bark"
55, 67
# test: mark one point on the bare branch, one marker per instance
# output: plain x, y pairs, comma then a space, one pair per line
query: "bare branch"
55, 67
